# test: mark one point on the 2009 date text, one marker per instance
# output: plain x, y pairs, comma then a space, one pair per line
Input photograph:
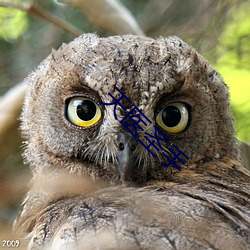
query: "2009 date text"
11, 243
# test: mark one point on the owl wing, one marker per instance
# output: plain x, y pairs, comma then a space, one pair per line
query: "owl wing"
142, 218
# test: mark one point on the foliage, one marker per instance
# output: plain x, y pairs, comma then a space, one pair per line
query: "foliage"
233, 57
13, 23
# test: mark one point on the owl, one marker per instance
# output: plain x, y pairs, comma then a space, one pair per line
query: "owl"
131, 144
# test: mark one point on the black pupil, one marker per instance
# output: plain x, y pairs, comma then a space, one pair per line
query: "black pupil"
86, 110
171, 116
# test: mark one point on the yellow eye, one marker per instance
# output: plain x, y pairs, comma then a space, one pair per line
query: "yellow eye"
83, 112
173, 118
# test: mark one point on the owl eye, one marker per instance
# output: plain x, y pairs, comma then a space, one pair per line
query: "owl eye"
83, 112
173, 118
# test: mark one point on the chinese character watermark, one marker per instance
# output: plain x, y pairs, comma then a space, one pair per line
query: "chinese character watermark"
138, 118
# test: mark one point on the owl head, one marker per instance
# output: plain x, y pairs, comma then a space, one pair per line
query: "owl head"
126, 109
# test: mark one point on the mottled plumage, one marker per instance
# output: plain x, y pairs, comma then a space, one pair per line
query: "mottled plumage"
95, 186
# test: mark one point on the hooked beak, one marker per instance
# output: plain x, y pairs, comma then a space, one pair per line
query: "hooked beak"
127, 145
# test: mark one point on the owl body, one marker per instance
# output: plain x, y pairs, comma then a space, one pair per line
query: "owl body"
98, 186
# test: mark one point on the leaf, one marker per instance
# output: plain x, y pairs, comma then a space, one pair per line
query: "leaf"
13, 23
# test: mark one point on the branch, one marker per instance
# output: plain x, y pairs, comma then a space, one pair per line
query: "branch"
36, 10
14, 5
111, 15
10, 108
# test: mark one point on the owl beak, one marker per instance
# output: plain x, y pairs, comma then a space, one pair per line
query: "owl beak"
127, 145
